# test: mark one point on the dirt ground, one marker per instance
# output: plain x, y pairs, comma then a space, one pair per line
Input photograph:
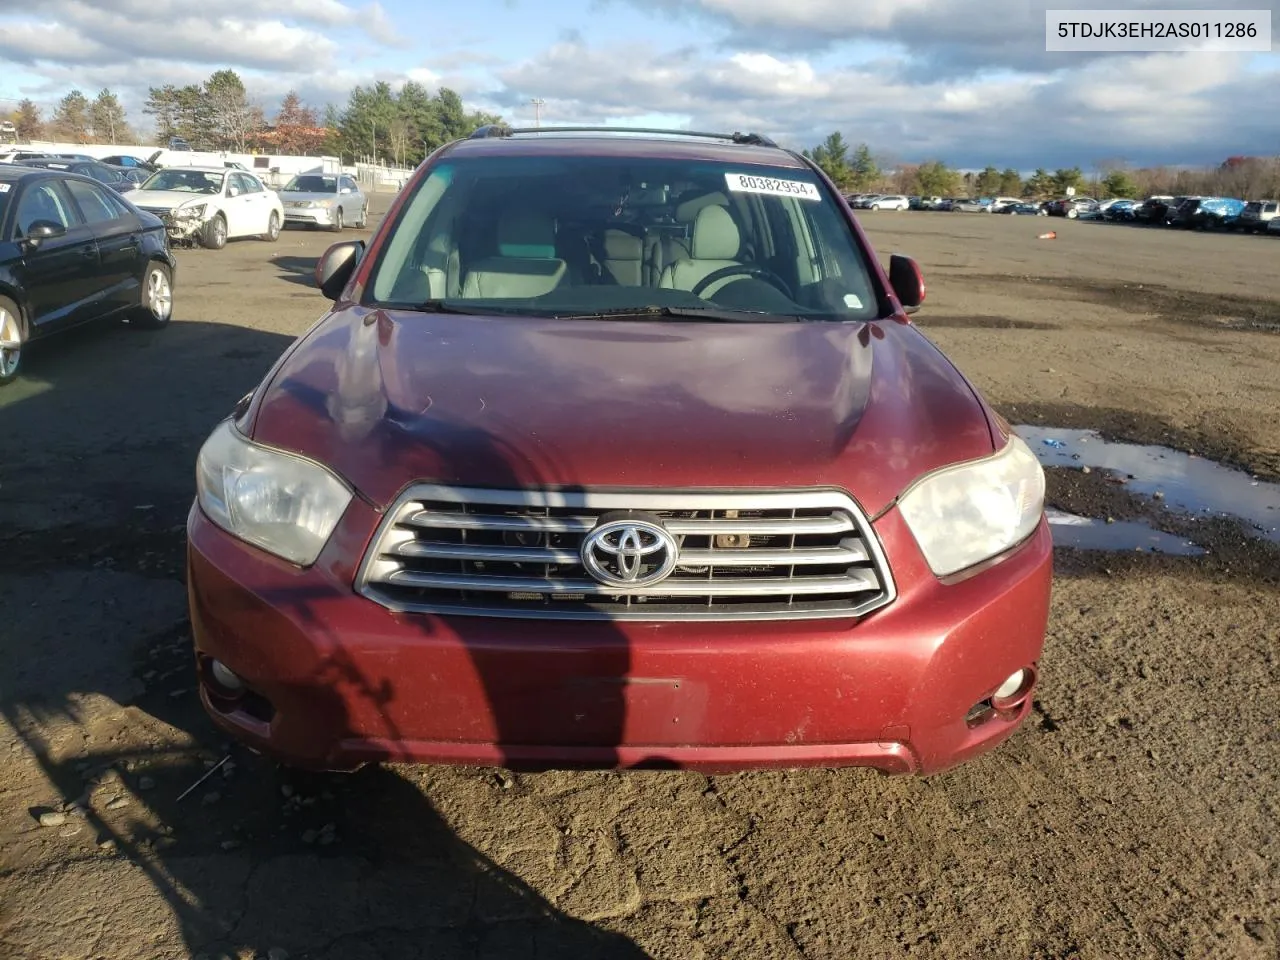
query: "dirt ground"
1134, 815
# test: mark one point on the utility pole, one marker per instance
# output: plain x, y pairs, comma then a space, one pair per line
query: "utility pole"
537, 111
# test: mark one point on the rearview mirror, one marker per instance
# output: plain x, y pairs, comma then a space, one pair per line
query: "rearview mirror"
335, 267
907, 282
40, 230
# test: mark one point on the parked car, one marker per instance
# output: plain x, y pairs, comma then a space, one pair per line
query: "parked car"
890, 202
1217, 213
946, 204
134, 177
1023, 210
72, 251
211, 205
1257, 215
1071, 207
931, 203
972, 205
1182, 212
864, 201
101, 172
999, 203
1119, 210
8, 131
22, 156
325, 200
454, 525
125, 160
1152, 209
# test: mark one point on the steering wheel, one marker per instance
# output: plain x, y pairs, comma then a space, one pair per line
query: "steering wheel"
745, 270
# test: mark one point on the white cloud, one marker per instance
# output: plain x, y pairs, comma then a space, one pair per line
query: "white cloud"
1173, 106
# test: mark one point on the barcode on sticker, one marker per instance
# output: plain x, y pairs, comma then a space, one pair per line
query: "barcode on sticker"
751, 183
4, 188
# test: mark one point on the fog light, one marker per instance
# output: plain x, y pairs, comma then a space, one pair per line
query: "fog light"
1006, 689
224, 677
1014, 691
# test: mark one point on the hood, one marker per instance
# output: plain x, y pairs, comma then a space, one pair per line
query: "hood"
386, 399
288, 195
169, 199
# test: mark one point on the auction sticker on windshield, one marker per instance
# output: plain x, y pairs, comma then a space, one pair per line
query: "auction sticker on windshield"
750, 183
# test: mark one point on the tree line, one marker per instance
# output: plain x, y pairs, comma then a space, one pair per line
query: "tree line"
857, 169
377, 121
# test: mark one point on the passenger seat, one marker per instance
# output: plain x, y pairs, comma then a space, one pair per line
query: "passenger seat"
624, 259
526, 264
716, 244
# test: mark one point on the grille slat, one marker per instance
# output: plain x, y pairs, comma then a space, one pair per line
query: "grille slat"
668, 588
850, 551
742, 555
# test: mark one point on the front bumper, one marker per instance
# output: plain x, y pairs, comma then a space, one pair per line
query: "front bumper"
336, 680
316, 216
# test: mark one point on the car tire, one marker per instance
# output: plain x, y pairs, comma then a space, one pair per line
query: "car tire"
156, 309
214, 235
273, 228
1072, 214
13, 334
337, 221
364, 217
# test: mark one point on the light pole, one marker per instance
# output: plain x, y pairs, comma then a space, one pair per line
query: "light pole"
537, 111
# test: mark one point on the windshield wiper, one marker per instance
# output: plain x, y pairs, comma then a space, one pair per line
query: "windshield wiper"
444, 306
717, 314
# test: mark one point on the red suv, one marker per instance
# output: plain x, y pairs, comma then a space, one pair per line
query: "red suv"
618, 449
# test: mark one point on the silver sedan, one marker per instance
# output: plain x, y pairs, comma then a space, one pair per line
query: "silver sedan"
331, 200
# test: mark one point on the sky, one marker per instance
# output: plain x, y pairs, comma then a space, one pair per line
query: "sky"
968, 82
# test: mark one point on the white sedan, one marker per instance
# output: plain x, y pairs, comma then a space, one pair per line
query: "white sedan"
890, 203
211, 205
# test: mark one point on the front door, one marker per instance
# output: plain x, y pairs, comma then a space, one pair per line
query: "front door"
119, 239
59, 274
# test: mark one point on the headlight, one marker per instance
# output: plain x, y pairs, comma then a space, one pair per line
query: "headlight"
966, 513
193, 211
284, 504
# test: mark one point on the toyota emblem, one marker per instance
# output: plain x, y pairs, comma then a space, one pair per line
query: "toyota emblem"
630, 553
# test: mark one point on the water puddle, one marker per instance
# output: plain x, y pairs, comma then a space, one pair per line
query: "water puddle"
1085, 533
1183, 482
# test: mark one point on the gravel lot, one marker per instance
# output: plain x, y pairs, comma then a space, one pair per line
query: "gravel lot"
1135, 815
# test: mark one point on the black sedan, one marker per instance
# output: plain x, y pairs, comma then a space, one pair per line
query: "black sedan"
72, 251
101, 172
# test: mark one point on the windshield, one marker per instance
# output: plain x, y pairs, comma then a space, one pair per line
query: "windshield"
185, 181
312, 183
583, 236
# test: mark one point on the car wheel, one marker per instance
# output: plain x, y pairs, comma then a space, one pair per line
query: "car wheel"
11, 340
364, 217
1072, 214
215, 233
337, 221
156, 309
273, 228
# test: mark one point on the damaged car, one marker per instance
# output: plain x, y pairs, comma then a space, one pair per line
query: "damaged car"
618, 449
211, 205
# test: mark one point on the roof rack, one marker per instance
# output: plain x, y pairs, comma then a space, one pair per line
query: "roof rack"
501, 130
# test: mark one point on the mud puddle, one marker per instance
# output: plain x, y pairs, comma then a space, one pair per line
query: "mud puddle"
1183, 482
1087, 533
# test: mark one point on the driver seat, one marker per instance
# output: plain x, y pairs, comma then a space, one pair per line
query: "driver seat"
715, 244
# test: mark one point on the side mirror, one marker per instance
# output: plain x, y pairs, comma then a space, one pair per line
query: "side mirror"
40, 230
907, 282
335, 267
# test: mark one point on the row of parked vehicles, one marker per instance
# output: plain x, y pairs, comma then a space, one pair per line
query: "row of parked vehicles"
76, 248
1192, 212
209, 205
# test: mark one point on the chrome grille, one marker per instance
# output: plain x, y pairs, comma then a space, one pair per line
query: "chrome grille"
742, 556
